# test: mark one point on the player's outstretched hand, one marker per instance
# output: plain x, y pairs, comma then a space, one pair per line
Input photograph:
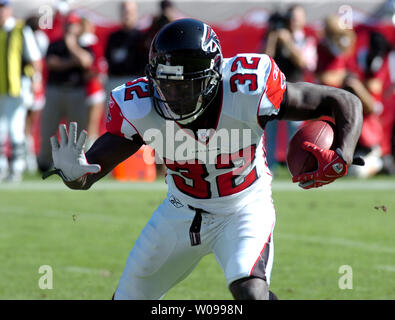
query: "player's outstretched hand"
331, 166
68, 155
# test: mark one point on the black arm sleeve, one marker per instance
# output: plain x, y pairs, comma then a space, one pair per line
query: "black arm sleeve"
108, 151
307, 101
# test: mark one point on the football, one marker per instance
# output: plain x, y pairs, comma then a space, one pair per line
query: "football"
319, 132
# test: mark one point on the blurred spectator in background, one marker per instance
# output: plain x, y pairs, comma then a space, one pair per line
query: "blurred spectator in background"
334, 52
167, 14
95, 92
294, 53
34, 101
61, 9
17, 45
68, 65
390, 93
371, 73
124, 50
40, 36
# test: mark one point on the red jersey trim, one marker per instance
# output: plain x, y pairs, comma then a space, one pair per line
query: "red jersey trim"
121, 119
274, 85
260, 253
274, 89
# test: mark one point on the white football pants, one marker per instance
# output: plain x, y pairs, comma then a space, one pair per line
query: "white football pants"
162, 256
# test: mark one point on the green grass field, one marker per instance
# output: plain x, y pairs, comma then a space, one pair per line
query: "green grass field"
86, 236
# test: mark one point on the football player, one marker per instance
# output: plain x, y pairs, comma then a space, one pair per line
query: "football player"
223, 206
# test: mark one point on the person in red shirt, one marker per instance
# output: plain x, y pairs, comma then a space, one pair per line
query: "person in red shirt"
371, 73
295, 53
68, 66
334, 53
95, 92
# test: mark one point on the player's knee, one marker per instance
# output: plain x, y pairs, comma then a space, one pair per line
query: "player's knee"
250, 289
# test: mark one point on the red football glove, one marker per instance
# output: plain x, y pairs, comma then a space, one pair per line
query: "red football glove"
331, 166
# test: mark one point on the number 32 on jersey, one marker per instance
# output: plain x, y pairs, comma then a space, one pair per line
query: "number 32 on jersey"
235, 173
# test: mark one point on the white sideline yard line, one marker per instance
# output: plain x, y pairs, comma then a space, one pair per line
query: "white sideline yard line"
386, 268
70, 215
76, 269
99, 186
345, 185
339, 242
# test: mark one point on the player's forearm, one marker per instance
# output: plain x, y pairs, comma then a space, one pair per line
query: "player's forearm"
310, 101
349, 117
79, 184
85, 182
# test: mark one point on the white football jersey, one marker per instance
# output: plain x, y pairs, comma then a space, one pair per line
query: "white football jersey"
218, 170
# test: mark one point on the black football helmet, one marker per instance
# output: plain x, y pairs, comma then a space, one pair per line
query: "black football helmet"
184, 69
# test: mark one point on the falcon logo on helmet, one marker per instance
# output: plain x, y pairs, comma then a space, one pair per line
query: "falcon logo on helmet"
210, 40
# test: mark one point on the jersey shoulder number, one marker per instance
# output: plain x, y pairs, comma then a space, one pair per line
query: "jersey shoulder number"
247, 73
255, 81
127, 104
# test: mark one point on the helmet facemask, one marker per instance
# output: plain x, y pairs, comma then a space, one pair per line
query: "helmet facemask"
180, 96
